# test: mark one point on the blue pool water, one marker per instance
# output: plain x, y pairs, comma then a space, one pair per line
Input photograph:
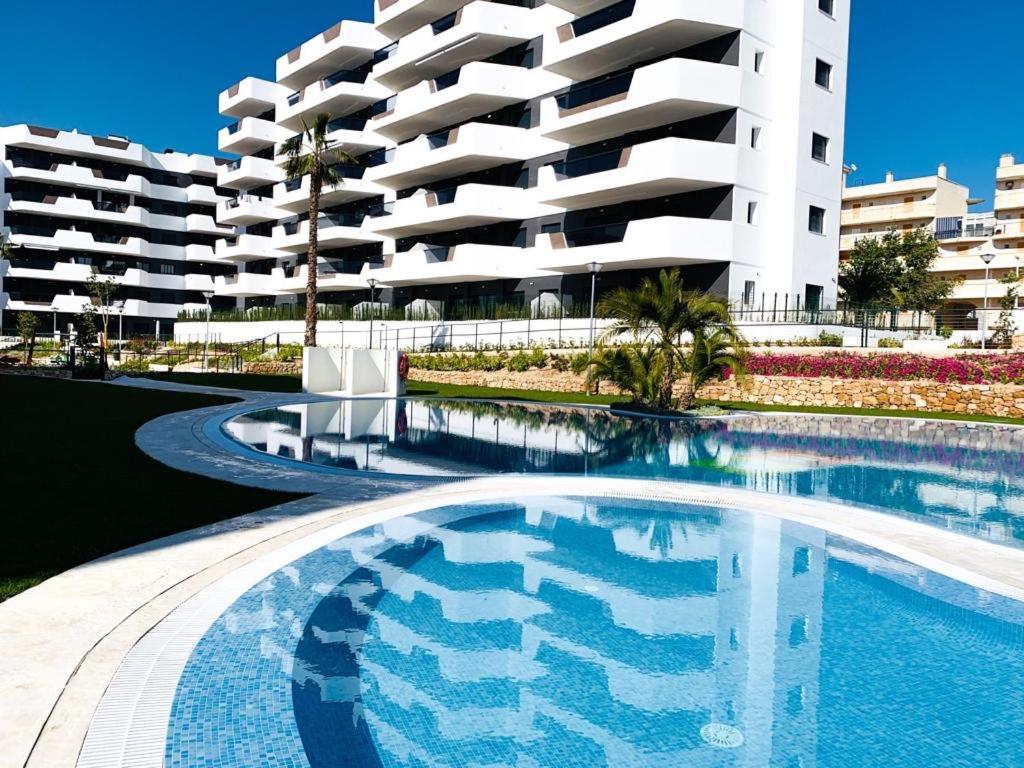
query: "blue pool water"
966, 477
571, 632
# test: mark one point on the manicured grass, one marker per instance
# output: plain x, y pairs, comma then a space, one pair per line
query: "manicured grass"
75, 487
254, 382
865, 412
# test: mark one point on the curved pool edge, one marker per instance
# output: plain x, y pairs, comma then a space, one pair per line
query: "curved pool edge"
132, 716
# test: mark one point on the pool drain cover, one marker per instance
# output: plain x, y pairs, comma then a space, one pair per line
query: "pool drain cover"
721, 736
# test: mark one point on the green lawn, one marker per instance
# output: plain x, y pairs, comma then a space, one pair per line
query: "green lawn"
75, 487
430, 389
252, 382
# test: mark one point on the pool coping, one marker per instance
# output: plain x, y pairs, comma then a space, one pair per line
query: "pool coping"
66, 639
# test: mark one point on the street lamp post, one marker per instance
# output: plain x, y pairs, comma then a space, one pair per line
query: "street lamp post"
54, 310
593, 267
372, 282
987, 257
206, 345
119, 308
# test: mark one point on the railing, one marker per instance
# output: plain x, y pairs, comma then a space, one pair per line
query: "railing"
345, 76
604, 17
587, 94
234, 127
346, 124
294, 98
385, 53
585, 166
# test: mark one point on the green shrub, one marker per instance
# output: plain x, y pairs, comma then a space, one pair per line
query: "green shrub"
580, 362
826, 339
945, 332
889, 343
519, 362
134, 365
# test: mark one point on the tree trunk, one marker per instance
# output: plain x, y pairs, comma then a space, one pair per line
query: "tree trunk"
312, 258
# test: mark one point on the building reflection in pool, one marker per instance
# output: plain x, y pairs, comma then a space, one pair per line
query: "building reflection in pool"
962, 476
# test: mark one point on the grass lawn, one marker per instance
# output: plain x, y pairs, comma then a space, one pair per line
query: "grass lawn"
866, 412
268, 383
75, 487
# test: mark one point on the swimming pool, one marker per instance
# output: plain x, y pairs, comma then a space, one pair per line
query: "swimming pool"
586, 632
956, 475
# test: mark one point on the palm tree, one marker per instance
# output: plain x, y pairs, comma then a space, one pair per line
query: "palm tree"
635, 368
662, 314
311, 153
712, 356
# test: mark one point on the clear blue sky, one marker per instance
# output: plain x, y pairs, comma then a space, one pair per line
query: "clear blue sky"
931, 81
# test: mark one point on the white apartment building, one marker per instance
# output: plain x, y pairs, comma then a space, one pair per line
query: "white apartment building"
971, 245
506, 148
74, 205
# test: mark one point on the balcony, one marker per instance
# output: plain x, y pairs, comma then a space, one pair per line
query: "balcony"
245, 210
72, 208
471, 147
659, 94
1009, 229
197, 252
346, 45
339, 93
641, 244
580, 7
248, 135
327, 280
351, 134
890, 214
82, 177
203, 194
475, 89
424, 264
470, 205
293, 196
471, 33
1007, 200
81, 144
250, 97
335, 231
634, 30
397, 18
248, 172
204, 224
247, 248
66, 239
246, 284
663, 167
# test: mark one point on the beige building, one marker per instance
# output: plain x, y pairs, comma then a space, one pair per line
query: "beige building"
940, 206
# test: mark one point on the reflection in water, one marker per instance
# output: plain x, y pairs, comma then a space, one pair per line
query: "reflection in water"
564, 632
962, 476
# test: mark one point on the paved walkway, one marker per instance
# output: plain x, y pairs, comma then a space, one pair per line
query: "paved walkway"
65, 641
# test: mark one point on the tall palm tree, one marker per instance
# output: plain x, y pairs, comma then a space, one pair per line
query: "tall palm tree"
311, 153
663, 313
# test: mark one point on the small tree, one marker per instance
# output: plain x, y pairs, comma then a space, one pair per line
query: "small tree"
101, 291
28, 324
85, 326
311, 153
1005, 327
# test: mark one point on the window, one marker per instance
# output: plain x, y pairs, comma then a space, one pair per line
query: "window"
819, 148
816, 220
748, 293
752, 213
827, 6
758, 61
823, 74
755, 138
166, 269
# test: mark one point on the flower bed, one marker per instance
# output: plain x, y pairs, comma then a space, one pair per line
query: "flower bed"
964, 369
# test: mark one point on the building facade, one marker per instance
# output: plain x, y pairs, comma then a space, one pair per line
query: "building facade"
74, 205
979, 248
505, 149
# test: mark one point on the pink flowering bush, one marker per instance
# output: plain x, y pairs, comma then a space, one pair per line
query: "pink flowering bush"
965, 369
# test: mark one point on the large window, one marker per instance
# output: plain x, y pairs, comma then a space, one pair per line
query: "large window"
816, 220
827, 6
823, 74
819, 148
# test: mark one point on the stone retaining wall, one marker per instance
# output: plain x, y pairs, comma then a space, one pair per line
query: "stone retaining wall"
273, 367
925, 396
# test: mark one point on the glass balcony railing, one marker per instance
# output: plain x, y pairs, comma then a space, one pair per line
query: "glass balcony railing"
234, 127
439, 139
602, 18
292, 184
445, 23
345, 76
348, 123
447, 80
601, 234
294, 98
234, 165
584, 166
579, 96
385, 53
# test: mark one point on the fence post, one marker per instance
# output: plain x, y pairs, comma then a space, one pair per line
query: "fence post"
476, 337
775, 307
501, 333
560, 327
